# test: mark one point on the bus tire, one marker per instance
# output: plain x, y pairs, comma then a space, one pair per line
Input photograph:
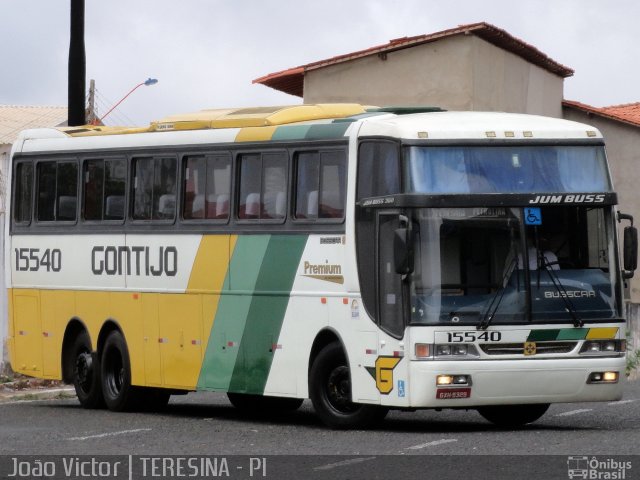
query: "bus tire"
258, 403
115, 367
513, 415
86, 372
330, 392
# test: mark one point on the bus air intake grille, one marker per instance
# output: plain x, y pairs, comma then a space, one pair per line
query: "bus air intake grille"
518, 348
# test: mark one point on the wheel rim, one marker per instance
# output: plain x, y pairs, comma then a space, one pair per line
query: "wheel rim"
338, 391
84, 371
114, 373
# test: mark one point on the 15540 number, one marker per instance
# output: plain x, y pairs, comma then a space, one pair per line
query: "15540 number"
34, 259
460, 337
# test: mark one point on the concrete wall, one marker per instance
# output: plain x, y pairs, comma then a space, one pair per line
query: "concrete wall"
456, 73
4, 188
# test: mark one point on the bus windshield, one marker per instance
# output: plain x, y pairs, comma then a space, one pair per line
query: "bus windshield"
477, 264
505, 169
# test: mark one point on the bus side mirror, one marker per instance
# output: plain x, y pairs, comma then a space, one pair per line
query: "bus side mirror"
403, 247
630, 251
629, 247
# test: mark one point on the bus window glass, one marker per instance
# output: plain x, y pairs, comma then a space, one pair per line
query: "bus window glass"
274, 186
164, 189
378, 169
46, 193
332, 185
263, 186
66, 191
207, 182
154, 189
250, 175
320, 185
93, 188
115, 172
513, 169
22, 195
307, 185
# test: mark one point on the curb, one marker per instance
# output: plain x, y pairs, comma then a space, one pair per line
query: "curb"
33, 395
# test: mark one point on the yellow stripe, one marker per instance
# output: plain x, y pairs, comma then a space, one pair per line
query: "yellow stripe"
602, 333
255, 134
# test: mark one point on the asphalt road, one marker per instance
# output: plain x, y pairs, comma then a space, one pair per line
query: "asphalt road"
207, 424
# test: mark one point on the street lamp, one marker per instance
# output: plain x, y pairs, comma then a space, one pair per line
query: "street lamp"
147, 83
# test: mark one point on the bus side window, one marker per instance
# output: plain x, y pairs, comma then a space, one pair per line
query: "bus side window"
207, 185
23, 190
378, 169
104, 187
154, 189
320, 185
263, 187
57, 191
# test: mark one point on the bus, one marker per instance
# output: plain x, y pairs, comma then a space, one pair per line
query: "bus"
364, 258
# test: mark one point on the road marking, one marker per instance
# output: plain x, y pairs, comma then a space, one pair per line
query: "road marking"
111, 434
574, 412
622, 402
433, 444
344, 463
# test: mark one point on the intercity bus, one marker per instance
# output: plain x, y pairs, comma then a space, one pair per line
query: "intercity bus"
366, 258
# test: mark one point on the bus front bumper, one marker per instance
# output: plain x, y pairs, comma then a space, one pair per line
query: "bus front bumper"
514, 382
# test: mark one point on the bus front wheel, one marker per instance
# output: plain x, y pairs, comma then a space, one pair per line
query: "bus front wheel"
119, 394
513, 415
86, 373
330, 392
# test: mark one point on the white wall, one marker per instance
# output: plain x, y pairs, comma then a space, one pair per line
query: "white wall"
4, 187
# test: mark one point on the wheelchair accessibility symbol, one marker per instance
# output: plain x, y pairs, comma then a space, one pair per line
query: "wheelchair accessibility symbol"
532, 216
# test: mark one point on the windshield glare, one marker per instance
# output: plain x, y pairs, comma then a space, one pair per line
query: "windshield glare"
499, 169
472, 264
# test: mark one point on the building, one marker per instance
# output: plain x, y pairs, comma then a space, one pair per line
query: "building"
472, 67
13, 119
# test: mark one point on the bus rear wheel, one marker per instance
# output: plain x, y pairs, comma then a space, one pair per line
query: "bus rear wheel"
86, 372
119, 394
513, 415
330, 392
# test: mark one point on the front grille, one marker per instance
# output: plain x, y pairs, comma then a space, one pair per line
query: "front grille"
518, 348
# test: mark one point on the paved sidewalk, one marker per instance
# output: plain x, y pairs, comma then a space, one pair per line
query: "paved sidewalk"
25, 388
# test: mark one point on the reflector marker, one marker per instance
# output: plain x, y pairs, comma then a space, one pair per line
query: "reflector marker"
196, 342
371, 351
323, 300
398, 353
163, 340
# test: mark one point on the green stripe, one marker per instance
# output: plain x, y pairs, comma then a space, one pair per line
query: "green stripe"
264, 321
573, 334
291, 132
542, 335
332, 130
228, 326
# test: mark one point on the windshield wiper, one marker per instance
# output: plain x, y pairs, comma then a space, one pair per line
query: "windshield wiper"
568, 304
490, 313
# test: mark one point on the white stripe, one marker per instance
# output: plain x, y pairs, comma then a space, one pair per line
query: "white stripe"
622, 402
111, 434
432, 444
574, 412
344, 463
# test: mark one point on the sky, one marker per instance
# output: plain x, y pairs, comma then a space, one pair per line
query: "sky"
205, 53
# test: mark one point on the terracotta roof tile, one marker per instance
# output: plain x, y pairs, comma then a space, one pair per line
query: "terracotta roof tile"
291, 81
627, 113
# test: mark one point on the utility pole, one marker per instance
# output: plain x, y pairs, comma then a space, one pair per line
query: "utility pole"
77, 66
91, 106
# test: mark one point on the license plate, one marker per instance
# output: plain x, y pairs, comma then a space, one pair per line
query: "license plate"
452, 393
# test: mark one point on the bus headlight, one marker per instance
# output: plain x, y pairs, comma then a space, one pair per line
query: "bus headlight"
455, 351
603, 347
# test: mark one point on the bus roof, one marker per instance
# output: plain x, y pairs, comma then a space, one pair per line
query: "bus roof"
307, 122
